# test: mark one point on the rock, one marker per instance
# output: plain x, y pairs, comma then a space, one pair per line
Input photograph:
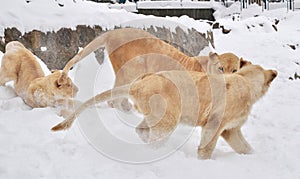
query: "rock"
216, 25
12, 34
57, 48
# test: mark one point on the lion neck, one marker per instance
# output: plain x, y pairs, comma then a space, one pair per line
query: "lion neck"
191, 64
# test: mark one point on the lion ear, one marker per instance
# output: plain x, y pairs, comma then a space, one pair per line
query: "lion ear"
244, 63
272, 75
213, 56
62, 79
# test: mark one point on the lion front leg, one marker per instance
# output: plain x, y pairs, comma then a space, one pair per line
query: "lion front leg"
2, 79
67, 106
236, 140
6, 77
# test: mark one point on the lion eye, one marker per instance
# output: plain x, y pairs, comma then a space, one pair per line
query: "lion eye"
221, 69
233, 71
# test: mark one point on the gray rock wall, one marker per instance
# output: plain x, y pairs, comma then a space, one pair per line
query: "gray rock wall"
62, 45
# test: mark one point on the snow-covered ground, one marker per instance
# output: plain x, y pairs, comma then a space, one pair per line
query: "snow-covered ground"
30, 150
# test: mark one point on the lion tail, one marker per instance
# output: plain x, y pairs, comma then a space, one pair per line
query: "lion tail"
95, 44
111, 94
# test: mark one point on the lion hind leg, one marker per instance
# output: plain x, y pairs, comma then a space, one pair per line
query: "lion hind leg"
143, 131
210, 129
160, 120
236, 140
121, 104
159, 132
209, 136
206, 152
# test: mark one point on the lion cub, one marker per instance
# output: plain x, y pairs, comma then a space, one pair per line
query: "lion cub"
30, 83
167, 98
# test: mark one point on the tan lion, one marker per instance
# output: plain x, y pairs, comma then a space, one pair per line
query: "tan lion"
30, 83
133, 52
167, 98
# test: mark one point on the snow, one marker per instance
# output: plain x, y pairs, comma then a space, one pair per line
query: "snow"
128, 6
30, 150
35, 15
47, 15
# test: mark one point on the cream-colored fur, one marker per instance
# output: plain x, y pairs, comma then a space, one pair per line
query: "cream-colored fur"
30, 83
167, 98
133, 52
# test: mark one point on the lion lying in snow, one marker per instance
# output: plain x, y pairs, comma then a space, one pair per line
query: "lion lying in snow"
30, 83
132, 52
167, 98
